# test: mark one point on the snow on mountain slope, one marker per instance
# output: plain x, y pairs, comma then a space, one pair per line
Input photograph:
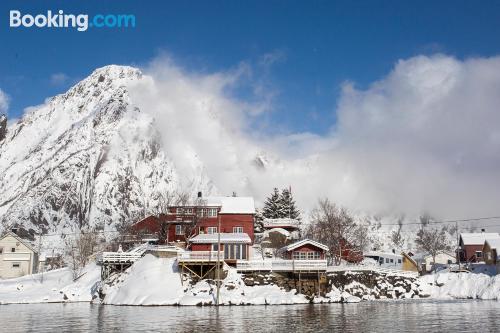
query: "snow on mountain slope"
88, 157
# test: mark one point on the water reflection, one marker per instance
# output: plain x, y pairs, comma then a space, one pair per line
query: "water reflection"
417, 316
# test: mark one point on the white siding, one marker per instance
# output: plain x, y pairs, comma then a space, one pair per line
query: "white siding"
17, 263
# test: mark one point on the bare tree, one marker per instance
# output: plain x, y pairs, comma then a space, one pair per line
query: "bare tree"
336, 228
432, 241
396, 237
79, 250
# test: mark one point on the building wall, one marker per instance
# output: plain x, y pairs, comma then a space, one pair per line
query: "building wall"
409, 265
489, 255
201, 247
152, 224
23, 256
469, 252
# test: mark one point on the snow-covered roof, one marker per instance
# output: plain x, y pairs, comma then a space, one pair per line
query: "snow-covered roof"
382, 254
304, 242
23, 241
494, 243
232, 205
477, 238
283, 222
241, 238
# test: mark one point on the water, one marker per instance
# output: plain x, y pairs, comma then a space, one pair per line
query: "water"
415, 316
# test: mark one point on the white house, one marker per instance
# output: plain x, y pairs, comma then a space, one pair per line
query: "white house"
442, 259
17, 257
386, 259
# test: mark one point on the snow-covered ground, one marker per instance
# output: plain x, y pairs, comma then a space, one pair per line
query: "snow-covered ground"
52, 286
156, 281
461, 286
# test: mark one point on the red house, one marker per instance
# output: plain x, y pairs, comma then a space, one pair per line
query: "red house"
471, 245
305, 249
181, 223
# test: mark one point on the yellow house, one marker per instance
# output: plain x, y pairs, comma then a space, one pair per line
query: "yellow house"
17, 257
408, 263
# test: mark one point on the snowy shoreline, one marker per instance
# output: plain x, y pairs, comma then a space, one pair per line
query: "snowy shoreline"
156, 282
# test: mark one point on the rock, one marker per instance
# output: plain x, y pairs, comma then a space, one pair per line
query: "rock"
3, 126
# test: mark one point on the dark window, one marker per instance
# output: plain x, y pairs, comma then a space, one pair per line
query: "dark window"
1, 250
386, 260
13, 249
16, 265
399, 261
392, 260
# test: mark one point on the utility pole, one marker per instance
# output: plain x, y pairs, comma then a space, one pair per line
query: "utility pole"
40, 254
218, 258
458, 246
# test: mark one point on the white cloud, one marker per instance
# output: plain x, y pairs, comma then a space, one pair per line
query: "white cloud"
423, 138
271, 58
58, 79
4, 102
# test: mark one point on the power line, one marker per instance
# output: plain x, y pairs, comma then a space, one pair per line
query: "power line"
449, 221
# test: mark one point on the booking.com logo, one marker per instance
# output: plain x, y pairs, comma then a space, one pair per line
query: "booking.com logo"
61, 20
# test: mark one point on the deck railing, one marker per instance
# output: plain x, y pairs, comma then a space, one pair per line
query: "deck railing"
388, 271
281, 265
120, 257
199, 256
270, 223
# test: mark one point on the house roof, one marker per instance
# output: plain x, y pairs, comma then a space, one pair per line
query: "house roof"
241, 238
23, 241
493, 243
300, 243
232, 205
381, 254
282, 222
407, 256
477, 238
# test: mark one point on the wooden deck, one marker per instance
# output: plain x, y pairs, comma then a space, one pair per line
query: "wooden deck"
281, 265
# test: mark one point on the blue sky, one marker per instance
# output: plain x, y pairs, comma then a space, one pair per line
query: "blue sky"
317, 44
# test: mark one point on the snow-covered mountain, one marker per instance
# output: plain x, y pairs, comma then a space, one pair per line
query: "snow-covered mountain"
88, 157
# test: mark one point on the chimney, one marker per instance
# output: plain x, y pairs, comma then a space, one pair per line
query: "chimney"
199, 194
14, 230
483, 230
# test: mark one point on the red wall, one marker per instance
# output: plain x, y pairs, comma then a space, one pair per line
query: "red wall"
201, 247
152, 224
470, 252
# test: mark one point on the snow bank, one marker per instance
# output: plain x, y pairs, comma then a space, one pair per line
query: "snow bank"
461, 286
150, 281
52, 286
156, 281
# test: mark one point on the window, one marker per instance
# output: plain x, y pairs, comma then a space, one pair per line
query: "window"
392, 261
479, 254
1, 250
13, 249
313, 255
179, 229
238, 230
386, 260
215, 247
16, 265
211, 230
235, 251
212, 212
399, 261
